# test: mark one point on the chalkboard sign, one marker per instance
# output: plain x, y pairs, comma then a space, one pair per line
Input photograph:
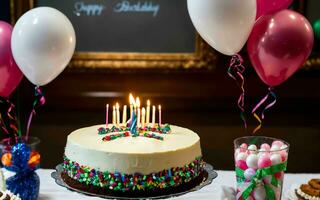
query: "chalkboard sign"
132, 33
159, 26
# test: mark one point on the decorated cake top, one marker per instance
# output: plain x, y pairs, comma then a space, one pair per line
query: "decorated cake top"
89, 138
138, 124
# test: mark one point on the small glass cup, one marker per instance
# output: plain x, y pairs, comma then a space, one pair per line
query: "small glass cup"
260, 165
22, 158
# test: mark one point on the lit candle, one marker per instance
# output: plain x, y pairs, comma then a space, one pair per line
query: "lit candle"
153, 115
148, 113
143, 117
107, 115
159, 108
124, 115
138, 111
118, 113
131, 100
113, 115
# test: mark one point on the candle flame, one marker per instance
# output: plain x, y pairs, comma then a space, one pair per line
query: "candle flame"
117, 105
159, 107
107, 105
138, 102
148, 102
131, 99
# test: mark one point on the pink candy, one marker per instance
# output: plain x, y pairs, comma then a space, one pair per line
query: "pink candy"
264, 161
243, 147
277, 143
242, 164
284, 155
265, 147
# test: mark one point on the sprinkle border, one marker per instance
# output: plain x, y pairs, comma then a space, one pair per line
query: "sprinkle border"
127, 182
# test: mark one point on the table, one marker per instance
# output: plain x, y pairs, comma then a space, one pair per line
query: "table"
49, 190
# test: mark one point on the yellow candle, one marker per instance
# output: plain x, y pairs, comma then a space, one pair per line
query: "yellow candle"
113, 115
118, 113
148, 112
159, 108
143, 117
131, 100
138, 117
138, 111
107, 115
153, 116
124, 115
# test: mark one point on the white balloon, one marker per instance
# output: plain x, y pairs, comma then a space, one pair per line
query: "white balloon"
223, 24
43, 42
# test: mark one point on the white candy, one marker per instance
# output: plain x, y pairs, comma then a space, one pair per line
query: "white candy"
275, 148
259, 193
284, 147
241, 156
252, 147
249, 173
275, 159
252, 161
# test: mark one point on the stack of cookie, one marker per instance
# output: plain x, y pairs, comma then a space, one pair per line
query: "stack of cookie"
310, 191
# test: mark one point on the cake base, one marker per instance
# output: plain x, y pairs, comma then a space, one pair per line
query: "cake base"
141, 194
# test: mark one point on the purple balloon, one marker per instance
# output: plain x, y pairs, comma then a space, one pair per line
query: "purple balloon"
267, 6
10, 74
279, 44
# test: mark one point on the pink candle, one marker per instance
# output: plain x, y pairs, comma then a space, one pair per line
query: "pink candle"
107, 115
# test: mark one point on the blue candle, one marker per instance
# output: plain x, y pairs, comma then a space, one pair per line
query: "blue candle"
133, 126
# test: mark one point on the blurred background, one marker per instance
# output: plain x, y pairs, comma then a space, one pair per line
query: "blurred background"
165, 61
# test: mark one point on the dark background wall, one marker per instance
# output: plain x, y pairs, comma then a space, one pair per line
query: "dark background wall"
202, 100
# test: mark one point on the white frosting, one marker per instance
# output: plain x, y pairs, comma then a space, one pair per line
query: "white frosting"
133, 154
306, 196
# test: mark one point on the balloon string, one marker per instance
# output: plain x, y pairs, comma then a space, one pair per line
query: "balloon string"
236, 68
13, 120
39, 101
3, 126
262, 116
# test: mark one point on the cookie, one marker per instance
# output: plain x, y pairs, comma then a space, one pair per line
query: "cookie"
315, 183
309, 190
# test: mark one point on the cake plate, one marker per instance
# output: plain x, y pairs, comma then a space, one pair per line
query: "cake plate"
207, 181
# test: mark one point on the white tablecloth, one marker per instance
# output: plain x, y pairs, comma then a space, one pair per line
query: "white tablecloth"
49, 190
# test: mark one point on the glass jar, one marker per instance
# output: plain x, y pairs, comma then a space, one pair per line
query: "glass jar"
260, 163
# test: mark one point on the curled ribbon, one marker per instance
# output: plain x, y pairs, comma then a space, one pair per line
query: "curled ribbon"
8, 122
13, 120
236, 69
261, 117
39, 101
258, 178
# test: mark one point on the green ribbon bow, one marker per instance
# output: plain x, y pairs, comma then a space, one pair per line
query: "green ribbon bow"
257, 178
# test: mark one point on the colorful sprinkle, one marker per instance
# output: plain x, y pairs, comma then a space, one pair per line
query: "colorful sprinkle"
115, 136
125, 182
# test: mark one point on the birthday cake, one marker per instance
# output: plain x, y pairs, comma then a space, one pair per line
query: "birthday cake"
121, 160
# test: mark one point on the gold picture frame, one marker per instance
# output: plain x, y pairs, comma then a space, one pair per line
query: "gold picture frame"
204, 57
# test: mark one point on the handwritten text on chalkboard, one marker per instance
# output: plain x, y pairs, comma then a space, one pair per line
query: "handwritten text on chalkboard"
147, 6
125, 6
88, 9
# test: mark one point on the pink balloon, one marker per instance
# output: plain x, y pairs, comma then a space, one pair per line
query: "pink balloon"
279, 44
267, 6
10, 74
